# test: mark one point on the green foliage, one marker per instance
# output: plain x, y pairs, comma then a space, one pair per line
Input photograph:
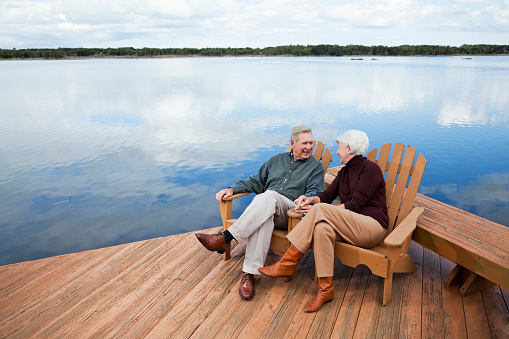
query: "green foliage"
290, 50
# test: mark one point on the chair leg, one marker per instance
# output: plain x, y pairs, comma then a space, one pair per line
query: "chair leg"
393, 254
387, 290
226, 254
225, 207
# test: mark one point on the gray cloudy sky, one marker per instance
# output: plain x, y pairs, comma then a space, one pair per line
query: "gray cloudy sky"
249, 23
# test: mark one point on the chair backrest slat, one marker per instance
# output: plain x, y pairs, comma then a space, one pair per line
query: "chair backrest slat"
411, 192
383, 159
402, 180
392, 169
318, 150
326, 159
400, 185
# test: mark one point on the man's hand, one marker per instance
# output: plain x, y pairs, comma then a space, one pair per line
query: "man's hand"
224, 194
303, 204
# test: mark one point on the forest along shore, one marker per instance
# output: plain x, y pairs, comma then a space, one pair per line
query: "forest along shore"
290, 50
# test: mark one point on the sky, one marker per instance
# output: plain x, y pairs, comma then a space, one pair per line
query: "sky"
250, 23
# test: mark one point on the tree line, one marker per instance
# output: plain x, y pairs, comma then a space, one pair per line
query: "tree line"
290, 50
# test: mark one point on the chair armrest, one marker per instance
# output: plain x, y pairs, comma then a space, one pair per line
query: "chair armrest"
292, 214
235, 196
404, 229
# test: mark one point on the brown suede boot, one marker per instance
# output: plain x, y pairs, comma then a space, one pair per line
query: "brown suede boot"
286, 266
325, 294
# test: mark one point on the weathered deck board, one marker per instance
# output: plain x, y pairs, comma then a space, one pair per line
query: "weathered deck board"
472, 242
454, 314
174, 288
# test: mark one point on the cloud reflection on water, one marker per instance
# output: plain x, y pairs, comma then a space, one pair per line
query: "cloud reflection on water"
97, 155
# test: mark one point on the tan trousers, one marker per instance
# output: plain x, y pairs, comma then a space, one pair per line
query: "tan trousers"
325, 224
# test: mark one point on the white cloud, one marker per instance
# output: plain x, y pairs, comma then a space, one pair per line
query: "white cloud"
235, 23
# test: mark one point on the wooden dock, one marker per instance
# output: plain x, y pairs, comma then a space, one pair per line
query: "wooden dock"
172, 287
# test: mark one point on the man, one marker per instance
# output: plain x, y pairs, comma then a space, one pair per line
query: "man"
278, 183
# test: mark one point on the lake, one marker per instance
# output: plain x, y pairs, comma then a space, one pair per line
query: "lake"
100, 152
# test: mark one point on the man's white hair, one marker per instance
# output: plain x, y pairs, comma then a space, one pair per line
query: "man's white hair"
299, 129
357, 140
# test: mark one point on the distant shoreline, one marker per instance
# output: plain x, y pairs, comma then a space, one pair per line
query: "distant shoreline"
279, 51
245, 56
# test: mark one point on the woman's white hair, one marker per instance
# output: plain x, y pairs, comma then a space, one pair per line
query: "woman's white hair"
357, 140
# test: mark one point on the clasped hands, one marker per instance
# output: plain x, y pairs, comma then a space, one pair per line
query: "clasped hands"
303, 204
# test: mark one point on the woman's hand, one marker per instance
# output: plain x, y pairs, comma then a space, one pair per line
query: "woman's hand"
303, 204
224, 194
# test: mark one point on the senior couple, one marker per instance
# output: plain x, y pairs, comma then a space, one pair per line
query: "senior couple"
296, 180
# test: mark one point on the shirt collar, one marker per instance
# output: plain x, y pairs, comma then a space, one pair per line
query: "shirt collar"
291, 156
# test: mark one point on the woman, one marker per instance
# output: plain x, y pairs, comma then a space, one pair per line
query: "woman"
361, 219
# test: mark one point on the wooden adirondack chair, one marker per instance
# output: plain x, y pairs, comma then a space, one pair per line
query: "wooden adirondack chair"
391, 254
279, 244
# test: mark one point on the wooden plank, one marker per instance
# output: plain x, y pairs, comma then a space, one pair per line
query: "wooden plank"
268, 307
456, 240
475, 316
90, 310
461, 230
369, 315
302, 322
150, 281
13, 274
411, 300
505, 295
35, 313
75, 291
458, 216
300, 292
432, 307
454, 314
497, 312
463, 222
428, 231
173, 287
327, 316
389, 323
344, 327
490, 269
26, 292
194, 307
238, 312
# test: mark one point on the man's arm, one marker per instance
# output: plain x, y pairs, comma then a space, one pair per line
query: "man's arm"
255, 183
316, 181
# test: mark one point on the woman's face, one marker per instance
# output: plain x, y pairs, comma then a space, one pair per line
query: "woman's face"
343, 152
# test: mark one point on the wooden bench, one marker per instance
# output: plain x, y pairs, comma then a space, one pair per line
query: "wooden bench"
479, 247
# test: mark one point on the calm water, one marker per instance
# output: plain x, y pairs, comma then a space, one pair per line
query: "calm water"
102, 152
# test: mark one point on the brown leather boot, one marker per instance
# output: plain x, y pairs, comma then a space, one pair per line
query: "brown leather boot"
286, 266
325, 294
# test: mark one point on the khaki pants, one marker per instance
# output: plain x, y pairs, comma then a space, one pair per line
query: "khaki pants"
325, 224
266, 211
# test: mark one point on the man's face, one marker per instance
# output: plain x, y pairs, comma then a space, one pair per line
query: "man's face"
303, 147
